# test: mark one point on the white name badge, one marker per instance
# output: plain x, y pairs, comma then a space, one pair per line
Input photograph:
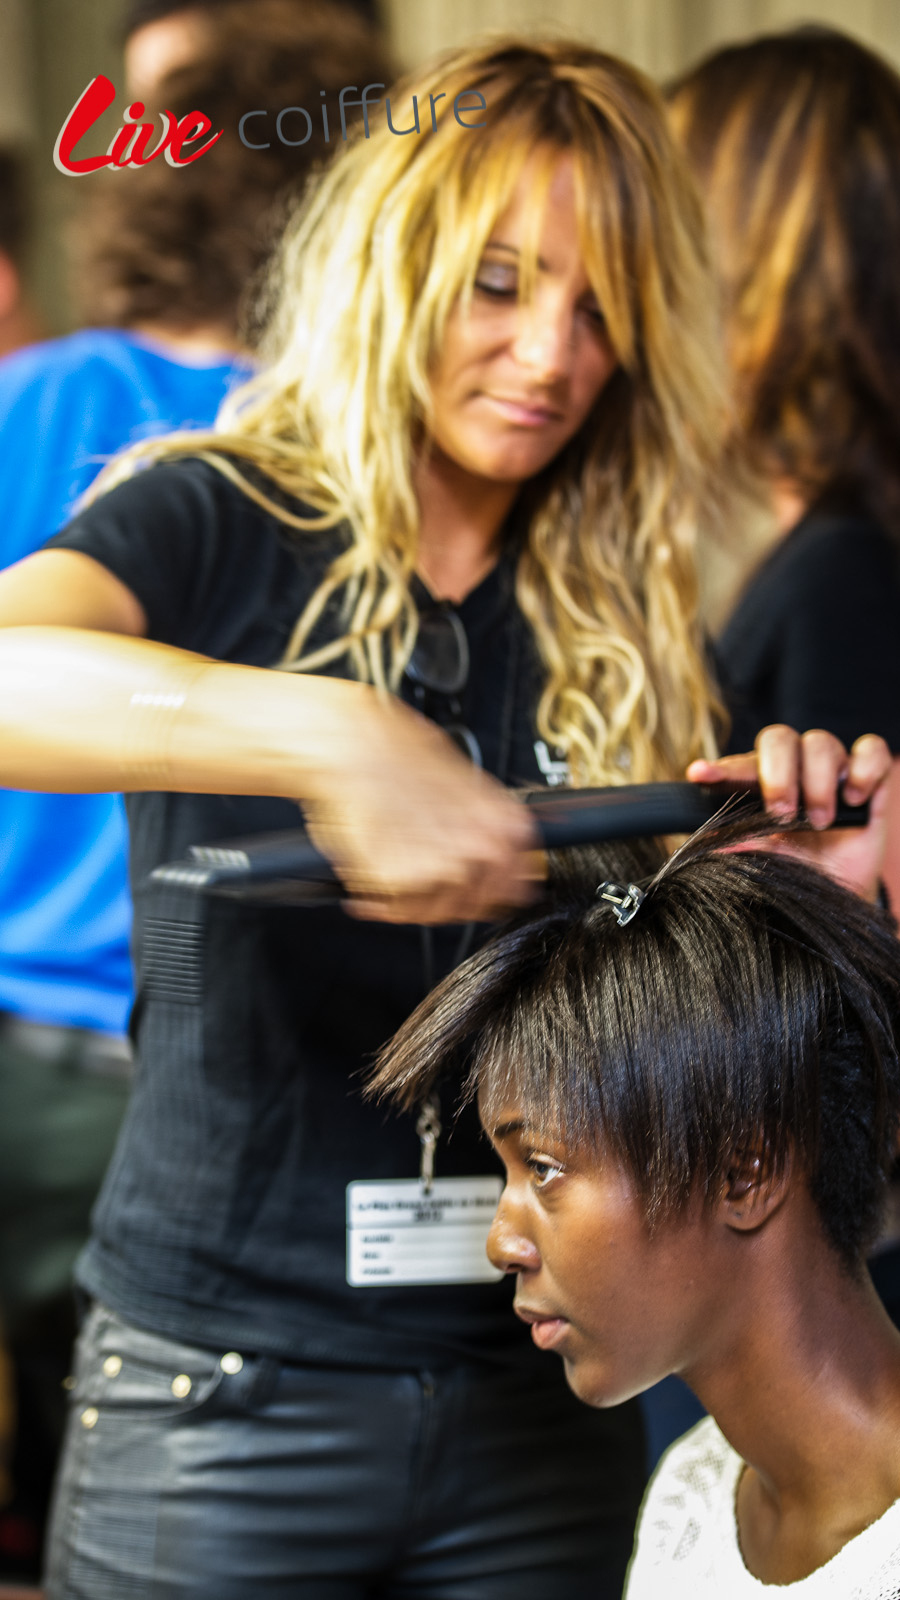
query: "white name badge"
396, 1233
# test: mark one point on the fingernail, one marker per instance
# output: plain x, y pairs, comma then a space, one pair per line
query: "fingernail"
818, 817
781, 808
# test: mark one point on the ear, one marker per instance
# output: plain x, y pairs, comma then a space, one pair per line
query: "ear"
753, 1189
10, 286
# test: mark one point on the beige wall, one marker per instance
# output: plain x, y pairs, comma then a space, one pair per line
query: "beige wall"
49, 51
661, 36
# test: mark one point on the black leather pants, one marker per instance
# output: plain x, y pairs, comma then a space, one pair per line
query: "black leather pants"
193, 1474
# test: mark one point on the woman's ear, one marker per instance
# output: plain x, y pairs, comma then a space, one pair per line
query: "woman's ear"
754, 1189
10, 286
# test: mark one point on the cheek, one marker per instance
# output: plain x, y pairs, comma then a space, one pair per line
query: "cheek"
594, 372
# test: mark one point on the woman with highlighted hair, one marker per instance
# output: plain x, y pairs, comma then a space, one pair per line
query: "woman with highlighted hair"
457, 509
794, 140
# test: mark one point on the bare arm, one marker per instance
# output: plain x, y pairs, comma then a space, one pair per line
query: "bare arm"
86, 703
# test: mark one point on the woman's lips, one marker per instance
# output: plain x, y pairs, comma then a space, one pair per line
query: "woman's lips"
523, 414
547, 1332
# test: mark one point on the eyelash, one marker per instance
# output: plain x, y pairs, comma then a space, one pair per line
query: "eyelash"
509, 292
549, 1169
497, 290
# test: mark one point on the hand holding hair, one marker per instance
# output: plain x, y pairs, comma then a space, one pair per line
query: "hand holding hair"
809, 769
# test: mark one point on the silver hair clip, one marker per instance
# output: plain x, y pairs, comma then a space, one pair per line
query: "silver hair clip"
625, 899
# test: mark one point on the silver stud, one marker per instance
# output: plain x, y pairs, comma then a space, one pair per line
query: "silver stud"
90, 1417
231, 1362
112, 1366
181, 1386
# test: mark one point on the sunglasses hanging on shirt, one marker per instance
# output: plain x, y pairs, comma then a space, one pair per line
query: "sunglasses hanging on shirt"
438, 671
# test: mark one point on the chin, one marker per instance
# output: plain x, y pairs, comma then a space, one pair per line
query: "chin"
508, 463
596, 1386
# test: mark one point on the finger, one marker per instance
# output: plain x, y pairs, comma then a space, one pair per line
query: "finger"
869, 765
823, 763
737, 771
778, 761
481, 900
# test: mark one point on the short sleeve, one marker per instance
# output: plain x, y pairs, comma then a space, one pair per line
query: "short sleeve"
208, 566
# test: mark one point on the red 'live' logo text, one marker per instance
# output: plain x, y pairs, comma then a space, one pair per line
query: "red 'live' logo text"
136, 143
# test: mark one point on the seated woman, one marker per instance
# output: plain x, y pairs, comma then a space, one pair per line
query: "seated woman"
695, 1090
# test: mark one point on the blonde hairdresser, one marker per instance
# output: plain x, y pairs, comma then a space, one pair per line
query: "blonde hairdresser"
381, 258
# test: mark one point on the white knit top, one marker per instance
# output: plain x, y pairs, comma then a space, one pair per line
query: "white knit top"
687, 1540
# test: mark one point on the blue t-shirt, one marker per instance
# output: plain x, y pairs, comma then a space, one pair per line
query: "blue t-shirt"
65, 407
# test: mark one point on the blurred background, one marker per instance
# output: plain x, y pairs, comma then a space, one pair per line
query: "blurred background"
50, 49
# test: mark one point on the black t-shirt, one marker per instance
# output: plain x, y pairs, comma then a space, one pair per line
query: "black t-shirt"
222, 1219
814, 640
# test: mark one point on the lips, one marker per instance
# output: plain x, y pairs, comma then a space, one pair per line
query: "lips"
526, 413
546, 1331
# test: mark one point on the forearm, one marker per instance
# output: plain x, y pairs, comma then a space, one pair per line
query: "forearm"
83, 711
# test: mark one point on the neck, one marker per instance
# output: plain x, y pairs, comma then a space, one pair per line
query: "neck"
460, 531
212, 341
804, 1382
788, 504
19, 327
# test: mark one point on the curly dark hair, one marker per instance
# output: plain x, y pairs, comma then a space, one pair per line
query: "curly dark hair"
14, 216
140, 13
187, 246
795, 141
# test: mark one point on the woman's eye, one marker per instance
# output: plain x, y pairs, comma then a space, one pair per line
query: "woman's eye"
543, 1172
594, 315
498, 281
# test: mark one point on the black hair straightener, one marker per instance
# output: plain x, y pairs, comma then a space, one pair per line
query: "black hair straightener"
285, 868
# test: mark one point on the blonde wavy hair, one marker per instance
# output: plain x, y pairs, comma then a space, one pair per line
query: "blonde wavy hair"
386, 245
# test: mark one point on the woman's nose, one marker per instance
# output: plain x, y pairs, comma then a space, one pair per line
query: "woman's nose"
543, 341
508, 1248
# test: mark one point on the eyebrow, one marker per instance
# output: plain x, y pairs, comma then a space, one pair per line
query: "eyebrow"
510, 249
505, 1130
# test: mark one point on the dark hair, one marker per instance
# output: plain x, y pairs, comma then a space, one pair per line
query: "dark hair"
188, 245
140, 13
751, 1006
795, 141
13, 204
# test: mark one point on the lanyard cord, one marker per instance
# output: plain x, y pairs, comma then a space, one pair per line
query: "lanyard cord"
428, 1126
504, 755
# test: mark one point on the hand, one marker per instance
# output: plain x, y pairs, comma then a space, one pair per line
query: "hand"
793, 769
414, 831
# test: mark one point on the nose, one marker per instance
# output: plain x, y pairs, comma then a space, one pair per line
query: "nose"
508, 1248
543, 341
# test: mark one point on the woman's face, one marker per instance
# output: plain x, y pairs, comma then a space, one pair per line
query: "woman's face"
515, 381
623, 1306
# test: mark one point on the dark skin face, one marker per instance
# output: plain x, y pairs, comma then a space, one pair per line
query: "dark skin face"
743, 1296
622, 1305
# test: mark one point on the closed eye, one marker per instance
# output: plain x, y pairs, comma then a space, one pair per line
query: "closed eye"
499, 288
